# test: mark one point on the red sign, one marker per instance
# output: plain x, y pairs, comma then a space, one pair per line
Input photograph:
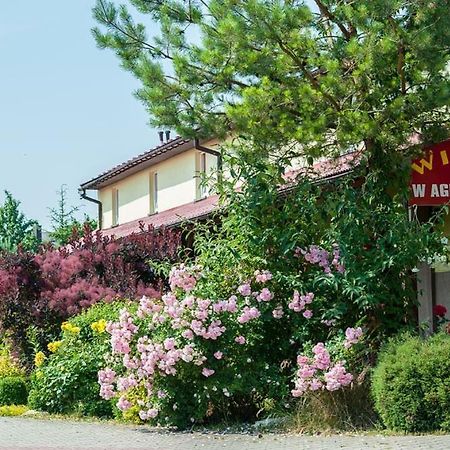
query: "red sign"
430, 181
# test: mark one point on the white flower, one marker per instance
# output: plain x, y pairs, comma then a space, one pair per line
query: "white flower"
414, 270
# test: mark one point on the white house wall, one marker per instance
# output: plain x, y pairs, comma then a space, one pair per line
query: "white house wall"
177, 185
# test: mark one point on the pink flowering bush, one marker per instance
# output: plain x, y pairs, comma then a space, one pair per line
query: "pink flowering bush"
321, 370
188, 358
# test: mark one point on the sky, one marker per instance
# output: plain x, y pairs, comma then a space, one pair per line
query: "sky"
67, 110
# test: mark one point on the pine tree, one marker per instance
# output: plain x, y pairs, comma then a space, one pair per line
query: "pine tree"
15, 229
331, 75
64, 224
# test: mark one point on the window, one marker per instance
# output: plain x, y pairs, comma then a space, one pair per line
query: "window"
115, 207
153, 193
202, 188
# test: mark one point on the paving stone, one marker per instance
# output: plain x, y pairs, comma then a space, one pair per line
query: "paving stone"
37, 434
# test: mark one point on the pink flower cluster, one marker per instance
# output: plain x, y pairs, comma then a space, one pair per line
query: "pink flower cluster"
278, 312
248, 314
245, 289
299, 302
262, 276
122, 332
142, 357
264, 296
318, 372
184, 278
352, 336
324, 259
106, 379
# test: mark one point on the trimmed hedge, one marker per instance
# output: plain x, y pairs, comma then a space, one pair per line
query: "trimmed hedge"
411, 384
13, 391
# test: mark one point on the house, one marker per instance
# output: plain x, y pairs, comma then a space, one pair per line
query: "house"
163, 187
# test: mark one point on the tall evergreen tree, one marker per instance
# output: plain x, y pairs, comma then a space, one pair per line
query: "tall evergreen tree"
15, 229
329, 74
64, 224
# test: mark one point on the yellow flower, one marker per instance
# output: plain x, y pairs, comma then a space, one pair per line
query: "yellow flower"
99, 326
39, 374
67, 326
39, 359
54, 346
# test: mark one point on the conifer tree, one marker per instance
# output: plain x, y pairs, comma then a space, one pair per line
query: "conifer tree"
331, 75
64, 224
15, 229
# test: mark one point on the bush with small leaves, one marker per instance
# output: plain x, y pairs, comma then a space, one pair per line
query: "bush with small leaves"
13, 391
411, 384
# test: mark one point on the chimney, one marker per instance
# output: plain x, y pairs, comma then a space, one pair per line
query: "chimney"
167, 135
161, 137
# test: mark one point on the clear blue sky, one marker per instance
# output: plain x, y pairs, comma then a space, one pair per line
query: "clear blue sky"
67, 111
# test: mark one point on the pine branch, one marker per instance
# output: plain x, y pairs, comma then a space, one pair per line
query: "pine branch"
330, 16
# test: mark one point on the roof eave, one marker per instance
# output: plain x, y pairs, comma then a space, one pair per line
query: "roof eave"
139, 163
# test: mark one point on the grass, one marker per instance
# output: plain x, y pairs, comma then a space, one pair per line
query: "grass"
347, 410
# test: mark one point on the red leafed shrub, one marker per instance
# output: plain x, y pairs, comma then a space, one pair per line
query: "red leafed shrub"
46, 288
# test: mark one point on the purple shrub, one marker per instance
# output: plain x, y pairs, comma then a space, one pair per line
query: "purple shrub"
46, 288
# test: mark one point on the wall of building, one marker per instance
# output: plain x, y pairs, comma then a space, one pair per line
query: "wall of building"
434, 286
178, 184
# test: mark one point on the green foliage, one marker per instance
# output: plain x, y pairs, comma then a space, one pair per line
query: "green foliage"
67, 381
411, 384
13, 391
15, 228
65, 227
12, 410
267, 219
8, 366
327, 74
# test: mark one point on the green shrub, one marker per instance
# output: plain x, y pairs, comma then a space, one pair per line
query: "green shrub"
411, 384
13, 391
12, 410
67, 380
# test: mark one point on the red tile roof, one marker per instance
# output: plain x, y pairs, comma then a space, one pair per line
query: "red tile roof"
330, 168
170, 217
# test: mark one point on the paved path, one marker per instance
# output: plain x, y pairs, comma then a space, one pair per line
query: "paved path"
36, 434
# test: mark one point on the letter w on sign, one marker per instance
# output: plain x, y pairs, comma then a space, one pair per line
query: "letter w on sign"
420, 165
419, 190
